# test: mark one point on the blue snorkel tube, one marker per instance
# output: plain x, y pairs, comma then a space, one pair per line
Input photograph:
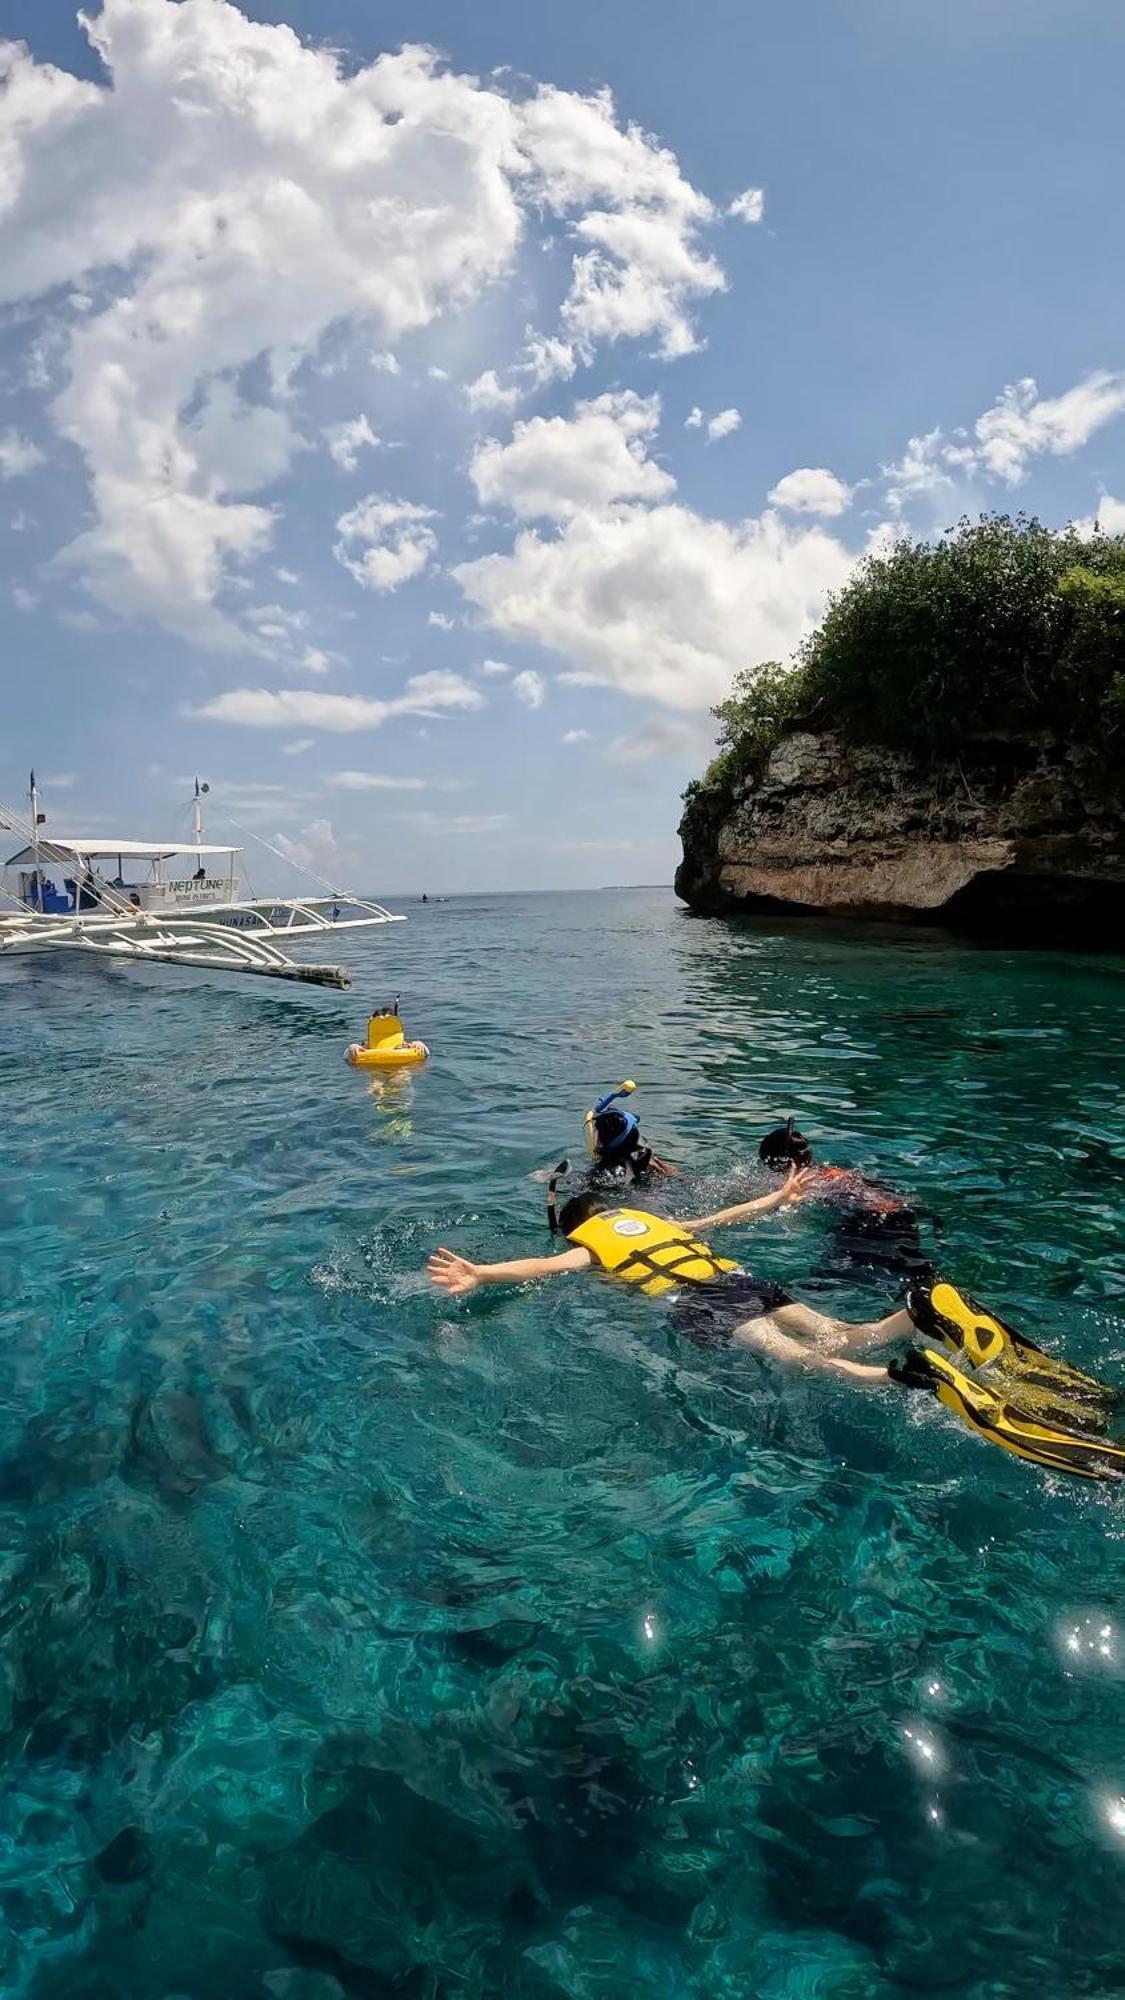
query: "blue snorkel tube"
609, 1150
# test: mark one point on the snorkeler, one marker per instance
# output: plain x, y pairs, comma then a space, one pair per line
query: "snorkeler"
873, 1228
995, 1380
616, 1149
714, 1300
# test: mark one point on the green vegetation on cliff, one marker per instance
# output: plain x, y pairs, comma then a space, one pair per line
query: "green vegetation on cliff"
999, 629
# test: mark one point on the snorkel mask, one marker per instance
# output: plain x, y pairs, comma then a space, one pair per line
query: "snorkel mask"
785, 1146
612, 1135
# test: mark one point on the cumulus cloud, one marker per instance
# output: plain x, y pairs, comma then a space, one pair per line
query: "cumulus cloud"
723, 425
346, 441
641, 271
557, 467
660, 601
439, 619
811, 490
308, 708
489, 393
298, 747
530, 688
576, 736
749, 206
235, 194
17, 455
384, 542
931, 463
494, 668
1020, 426
693, 419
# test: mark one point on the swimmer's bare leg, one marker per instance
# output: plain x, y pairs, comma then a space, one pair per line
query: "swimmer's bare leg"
837, 1333
766, 1337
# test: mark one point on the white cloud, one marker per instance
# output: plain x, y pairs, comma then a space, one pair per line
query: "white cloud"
1111, 515
393, 541
315, 848
660, 602
530, 688
576, 736
236, 194
288, 708
298, 747
749, 206
471, 823
547, 360
375, 781
315, 661
385, 364
693, 419
557, 467
723, 425
1022, 424
689, 740
812, 490
24, 599
927, 466
494, 668
489, 393
17, 454
287, 576
57, 781
345, 441
639, 271
439, 619
438, 374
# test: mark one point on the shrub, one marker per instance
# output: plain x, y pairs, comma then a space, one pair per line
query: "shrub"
1000, 628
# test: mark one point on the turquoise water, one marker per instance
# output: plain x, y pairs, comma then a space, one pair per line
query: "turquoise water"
358, 1642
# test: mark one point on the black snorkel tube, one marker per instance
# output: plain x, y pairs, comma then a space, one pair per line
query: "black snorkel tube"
552, 1185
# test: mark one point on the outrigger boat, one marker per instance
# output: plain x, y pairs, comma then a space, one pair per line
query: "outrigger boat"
66, 898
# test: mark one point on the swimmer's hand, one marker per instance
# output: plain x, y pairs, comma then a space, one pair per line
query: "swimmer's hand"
798, 1181
457, 1276
453, 1274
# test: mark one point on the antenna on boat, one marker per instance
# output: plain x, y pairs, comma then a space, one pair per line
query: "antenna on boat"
200, 789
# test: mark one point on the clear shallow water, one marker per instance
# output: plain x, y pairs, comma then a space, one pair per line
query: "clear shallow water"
354, 1642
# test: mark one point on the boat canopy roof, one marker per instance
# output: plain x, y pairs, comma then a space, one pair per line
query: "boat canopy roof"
68, 851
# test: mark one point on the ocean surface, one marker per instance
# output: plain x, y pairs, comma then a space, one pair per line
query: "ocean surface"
359, 1642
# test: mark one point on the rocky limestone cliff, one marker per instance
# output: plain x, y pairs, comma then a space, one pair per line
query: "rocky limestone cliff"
1026, 835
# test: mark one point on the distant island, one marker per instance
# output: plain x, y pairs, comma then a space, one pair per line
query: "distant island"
949, 743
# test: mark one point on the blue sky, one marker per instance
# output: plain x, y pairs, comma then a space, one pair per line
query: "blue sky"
414, 448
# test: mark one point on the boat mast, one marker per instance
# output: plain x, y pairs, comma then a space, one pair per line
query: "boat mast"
198, 817
34, 798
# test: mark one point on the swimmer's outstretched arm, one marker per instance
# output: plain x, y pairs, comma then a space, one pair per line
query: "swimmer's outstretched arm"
794, 1189
458, 1275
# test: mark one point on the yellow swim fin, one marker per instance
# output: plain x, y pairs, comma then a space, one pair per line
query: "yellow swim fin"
992, 1417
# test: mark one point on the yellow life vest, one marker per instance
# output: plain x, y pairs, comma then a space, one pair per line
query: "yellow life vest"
647, 1251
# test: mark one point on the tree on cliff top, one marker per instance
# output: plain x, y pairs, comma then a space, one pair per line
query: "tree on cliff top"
1000, 628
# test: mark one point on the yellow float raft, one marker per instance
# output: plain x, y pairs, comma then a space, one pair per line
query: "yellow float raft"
387, 1046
